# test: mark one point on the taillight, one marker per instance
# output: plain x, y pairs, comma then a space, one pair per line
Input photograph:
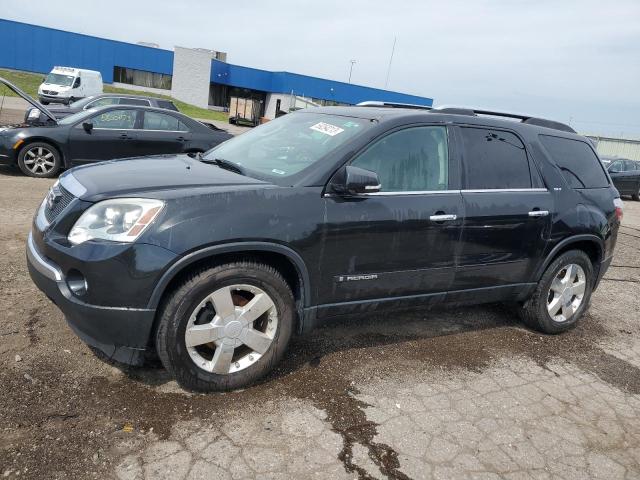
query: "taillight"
619, 208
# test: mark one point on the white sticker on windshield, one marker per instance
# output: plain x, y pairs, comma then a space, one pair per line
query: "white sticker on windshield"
327, 129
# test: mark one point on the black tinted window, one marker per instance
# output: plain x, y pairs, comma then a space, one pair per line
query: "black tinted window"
134, 101
494, 159
167, 105
630, 166
415, 159
160, 121
577, 162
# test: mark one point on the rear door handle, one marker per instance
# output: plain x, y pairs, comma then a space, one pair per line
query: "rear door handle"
538, 213
443, 218
124, 136
181, 139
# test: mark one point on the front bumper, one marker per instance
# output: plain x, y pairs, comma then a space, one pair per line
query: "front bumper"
53, 99
121, 333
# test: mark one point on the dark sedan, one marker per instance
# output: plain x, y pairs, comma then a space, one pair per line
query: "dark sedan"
626, 176
102, 134
34, 115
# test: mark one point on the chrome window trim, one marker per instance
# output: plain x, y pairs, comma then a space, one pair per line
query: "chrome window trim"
503, 190
170, 131
436, 192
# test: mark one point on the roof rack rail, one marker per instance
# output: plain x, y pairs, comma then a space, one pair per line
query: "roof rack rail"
372, 103
529, 120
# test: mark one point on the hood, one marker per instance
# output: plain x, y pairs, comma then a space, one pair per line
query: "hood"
26, 97
135, 176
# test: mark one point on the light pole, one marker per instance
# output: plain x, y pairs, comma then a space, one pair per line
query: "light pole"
351, 69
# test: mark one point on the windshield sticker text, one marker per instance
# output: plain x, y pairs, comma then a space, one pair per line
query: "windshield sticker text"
327, 129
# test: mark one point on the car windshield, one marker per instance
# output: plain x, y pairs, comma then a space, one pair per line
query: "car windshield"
76, 117
59, 79
289, 144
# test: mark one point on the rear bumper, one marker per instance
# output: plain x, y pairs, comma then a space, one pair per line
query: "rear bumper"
121, 333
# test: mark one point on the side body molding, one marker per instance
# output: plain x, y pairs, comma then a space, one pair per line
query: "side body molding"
238, 247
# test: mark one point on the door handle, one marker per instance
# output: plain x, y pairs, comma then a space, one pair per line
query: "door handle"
181, 139
124, 136
443, 218
538, 213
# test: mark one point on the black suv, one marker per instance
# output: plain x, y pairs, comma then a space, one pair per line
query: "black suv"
214, 262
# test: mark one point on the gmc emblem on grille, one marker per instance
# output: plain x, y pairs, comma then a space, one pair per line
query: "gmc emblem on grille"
53, 197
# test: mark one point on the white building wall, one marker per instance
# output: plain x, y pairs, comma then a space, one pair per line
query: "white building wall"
617, 147
191, 76
286, 101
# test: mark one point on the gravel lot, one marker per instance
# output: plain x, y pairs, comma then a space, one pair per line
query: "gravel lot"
450, 393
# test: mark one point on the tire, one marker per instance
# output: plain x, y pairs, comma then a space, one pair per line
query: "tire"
191, 305
71, 100
40, 160
536, 314
44, 103
636, 196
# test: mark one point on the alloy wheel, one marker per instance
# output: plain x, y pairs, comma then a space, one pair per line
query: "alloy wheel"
231, 329
39, 160
566, 292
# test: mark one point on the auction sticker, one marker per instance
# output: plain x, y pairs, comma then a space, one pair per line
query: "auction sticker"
327, 129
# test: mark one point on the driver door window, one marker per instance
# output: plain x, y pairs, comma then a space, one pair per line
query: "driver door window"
410, 160
115, 119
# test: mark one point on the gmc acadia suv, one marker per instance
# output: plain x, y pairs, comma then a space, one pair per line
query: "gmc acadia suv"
213, 262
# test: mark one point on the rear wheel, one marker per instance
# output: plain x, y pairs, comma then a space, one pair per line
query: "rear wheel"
636, 196
225, 327
562, 295
39, 159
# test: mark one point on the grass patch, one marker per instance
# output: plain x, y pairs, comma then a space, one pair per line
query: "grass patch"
29, 83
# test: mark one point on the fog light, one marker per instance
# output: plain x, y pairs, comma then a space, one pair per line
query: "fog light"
77, 283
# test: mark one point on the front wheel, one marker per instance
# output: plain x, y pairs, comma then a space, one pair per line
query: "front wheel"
225, 327
562, 295
39, 159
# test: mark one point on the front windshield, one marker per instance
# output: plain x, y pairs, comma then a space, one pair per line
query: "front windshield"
76, 117
289, 144
59, 79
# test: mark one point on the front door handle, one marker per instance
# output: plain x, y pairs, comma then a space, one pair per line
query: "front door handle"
538, 213
181, 139
124, 136
443, 218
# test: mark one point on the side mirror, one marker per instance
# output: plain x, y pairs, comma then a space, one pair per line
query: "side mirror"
88, 126
352, 180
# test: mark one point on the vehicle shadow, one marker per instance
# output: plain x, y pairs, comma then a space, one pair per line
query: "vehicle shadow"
361, 332
10, 171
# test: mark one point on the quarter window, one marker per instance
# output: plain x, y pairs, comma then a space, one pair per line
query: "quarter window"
494, 159
578, 164
414, 159
161, 121
118, 119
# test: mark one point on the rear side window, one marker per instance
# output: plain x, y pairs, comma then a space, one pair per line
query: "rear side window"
494, 160
134, 101
167, 105
160, 121
577, 162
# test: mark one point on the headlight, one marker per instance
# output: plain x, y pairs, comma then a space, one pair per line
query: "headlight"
118, 220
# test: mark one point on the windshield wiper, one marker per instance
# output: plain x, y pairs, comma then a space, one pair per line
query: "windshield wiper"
226, 164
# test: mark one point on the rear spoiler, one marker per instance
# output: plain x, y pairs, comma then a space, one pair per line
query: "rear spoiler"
29, 99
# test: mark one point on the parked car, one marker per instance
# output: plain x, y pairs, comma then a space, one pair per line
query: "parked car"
214, 262
625, 174
68, 84
102, 133
35, 115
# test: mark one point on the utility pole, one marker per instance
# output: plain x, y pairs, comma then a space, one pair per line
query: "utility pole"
393, 49
351, 69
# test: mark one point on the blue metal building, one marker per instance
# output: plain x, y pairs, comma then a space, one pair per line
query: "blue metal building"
34, 48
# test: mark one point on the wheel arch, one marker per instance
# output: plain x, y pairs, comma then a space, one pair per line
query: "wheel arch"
287, 261
592, 245
28, 141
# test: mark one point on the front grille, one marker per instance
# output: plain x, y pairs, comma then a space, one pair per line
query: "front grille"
64, 198
49, 92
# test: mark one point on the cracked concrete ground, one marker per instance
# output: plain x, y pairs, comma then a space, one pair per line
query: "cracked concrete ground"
447, 393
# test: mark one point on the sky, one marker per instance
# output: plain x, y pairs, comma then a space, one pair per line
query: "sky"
574, 61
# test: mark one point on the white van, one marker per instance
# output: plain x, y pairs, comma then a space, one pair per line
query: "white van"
67, 84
